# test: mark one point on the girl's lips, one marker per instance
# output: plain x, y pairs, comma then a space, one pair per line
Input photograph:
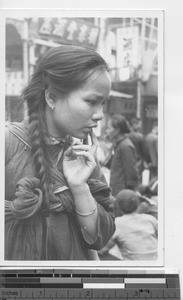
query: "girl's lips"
88, 129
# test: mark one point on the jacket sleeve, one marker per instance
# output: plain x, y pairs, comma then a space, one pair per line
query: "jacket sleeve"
105, 229
105, 205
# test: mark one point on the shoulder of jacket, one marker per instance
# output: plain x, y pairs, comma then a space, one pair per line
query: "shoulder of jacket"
126, 141
18, 131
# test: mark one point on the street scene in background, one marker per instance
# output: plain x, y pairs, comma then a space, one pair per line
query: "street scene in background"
127, 134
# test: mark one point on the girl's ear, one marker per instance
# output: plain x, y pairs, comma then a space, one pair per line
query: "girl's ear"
50, 102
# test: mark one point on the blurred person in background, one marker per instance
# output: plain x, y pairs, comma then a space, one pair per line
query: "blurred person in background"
124, 171
104, 156
138, 140
58, 205
151, 141
136, 233
148, 198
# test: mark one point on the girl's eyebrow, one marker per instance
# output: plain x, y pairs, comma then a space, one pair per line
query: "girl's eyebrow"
96, 96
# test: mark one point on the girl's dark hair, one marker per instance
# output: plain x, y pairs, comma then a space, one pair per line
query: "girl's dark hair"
119, 122
61, 70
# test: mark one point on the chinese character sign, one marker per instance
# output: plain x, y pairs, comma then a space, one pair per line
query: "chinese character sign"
127, 47
69, 30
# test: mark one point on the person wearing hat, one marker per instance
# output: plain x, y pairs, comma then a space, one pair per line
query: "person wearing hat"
136, 233
123, 172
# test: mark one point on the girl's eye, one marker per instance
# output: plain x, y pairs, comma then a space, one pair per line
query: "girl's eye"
91, 102
105, 101
95, 102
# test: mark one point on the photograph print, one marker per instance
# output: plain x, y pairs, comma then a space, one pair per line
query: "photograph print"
83, 138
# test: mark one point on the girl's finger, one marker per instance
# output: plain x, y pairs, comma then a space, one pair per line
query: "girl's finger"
94, 142
81, 147
86, 154
69, 154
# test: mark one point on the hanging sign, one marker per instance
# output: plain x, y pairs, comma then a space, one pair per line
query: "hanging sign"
127, 51
66, 30
127, 46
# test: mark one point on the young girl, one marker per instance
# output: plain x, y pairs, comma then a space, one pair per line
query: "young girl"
58, 205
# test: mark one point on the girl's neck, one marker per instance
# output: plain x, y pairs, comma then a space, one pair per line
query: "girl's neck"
50, 128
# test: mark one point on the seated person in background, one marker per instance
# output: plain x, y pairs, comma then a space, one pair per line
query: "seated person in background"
148, 200
136, 233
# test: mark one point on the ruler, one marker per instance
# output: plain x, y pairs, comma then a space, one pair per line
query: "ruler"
89, 284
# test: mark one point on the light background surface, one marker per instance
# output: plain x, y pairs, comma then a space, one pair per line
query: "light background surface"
173, 107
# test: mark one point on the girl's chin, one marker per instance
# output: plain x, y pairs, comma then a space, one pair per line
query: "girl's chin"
81, 135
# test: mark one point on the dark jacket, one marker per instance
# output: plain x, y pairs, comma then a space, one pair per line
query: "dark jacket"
138, 140
29, 235
151, 141
124, 174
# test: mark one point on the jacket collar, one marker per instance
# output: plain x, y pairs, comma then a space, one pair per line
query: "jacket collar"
120, 139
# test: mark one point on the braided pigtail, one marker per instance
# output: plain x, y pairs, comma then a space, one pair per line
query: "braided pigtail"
36, 107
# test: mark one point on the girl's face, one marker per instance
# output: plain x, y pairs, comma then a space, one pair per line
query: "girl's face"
80, 111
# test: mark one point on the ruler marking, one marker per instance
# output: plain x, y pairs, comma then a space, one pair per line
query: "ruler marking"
88, 284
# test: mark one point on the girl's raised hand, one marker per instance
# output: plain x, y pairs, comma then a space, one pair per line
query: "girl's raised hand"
79, 162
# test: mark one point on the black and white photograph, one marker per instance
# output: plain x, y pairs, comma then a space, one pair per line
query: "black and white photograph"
83, 117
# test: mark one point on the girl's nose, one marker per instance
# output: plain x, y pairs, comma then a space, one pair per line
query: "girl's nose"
99, 114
